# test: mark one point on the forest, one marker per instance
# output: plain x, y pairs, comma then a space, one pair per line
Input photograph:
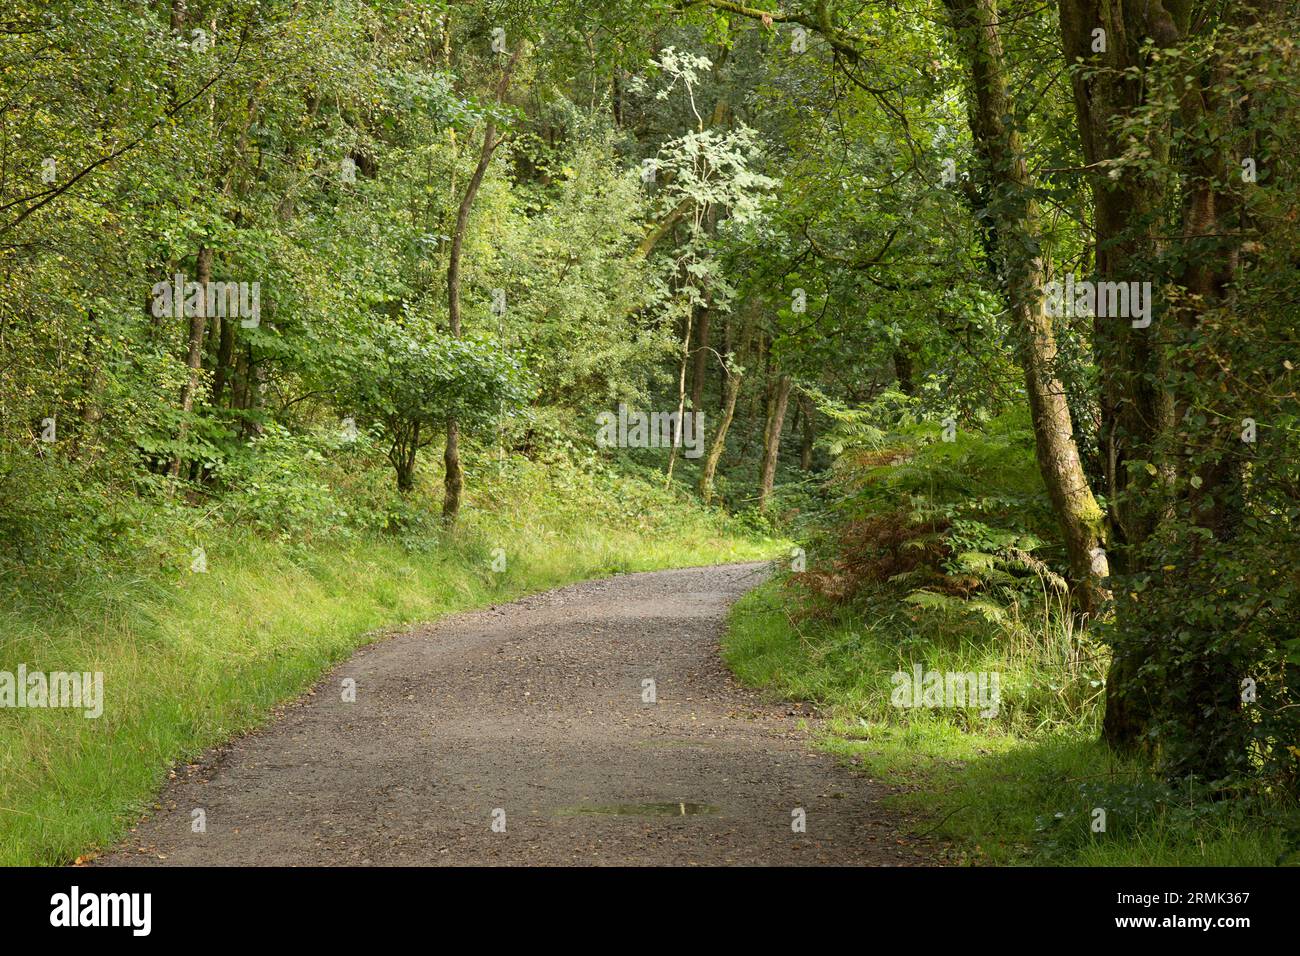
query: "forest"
977, 319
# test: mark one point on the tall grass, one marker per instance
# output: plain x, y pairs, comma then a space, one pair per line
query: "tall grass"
1020, 788
190, 659
846, 657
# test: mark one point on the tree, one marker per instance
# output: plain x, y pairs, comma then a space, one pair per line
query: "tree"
412, 382
454, 479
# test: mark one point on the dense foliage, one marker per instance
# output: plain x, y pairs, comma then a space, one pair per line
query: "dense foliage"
296, 263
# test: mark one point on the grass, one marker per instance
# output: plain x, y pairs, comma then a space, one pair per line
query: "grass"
190, 660
1022, 788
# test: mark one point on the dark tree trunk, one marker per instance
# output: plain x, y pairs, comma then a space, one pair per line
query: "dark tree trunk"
225, 351
1141, 397
194, 358
904, 370
700, 360
807, 411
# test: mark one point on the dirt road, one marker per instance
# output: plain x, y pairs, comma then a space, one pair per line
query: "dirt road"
529, 734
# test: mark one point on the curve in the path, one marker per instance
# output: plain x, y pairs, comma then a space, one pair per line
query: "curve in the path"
534, 715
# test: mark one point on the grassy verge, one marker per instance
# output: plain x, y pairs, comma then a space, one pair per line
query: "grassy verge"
1021, 788
190, 659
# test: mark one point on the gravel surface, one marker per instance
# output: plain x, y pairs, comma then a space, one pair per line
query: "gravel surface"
532, 714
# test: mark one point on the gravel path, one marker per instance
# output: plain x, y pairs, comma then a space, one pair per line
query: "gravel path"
532, 715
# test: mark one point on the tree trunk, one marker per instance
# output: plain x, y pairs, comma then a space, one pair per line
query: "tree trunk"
1142, 397
904, 370
194, 360
454, 480
807, 410
1133, 406
1019, 236
88, 412
404, 455
681, 392
700, 364
240, 387
1133, 411
777, 401
759, 397
225, 351
256, 393
730, 392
